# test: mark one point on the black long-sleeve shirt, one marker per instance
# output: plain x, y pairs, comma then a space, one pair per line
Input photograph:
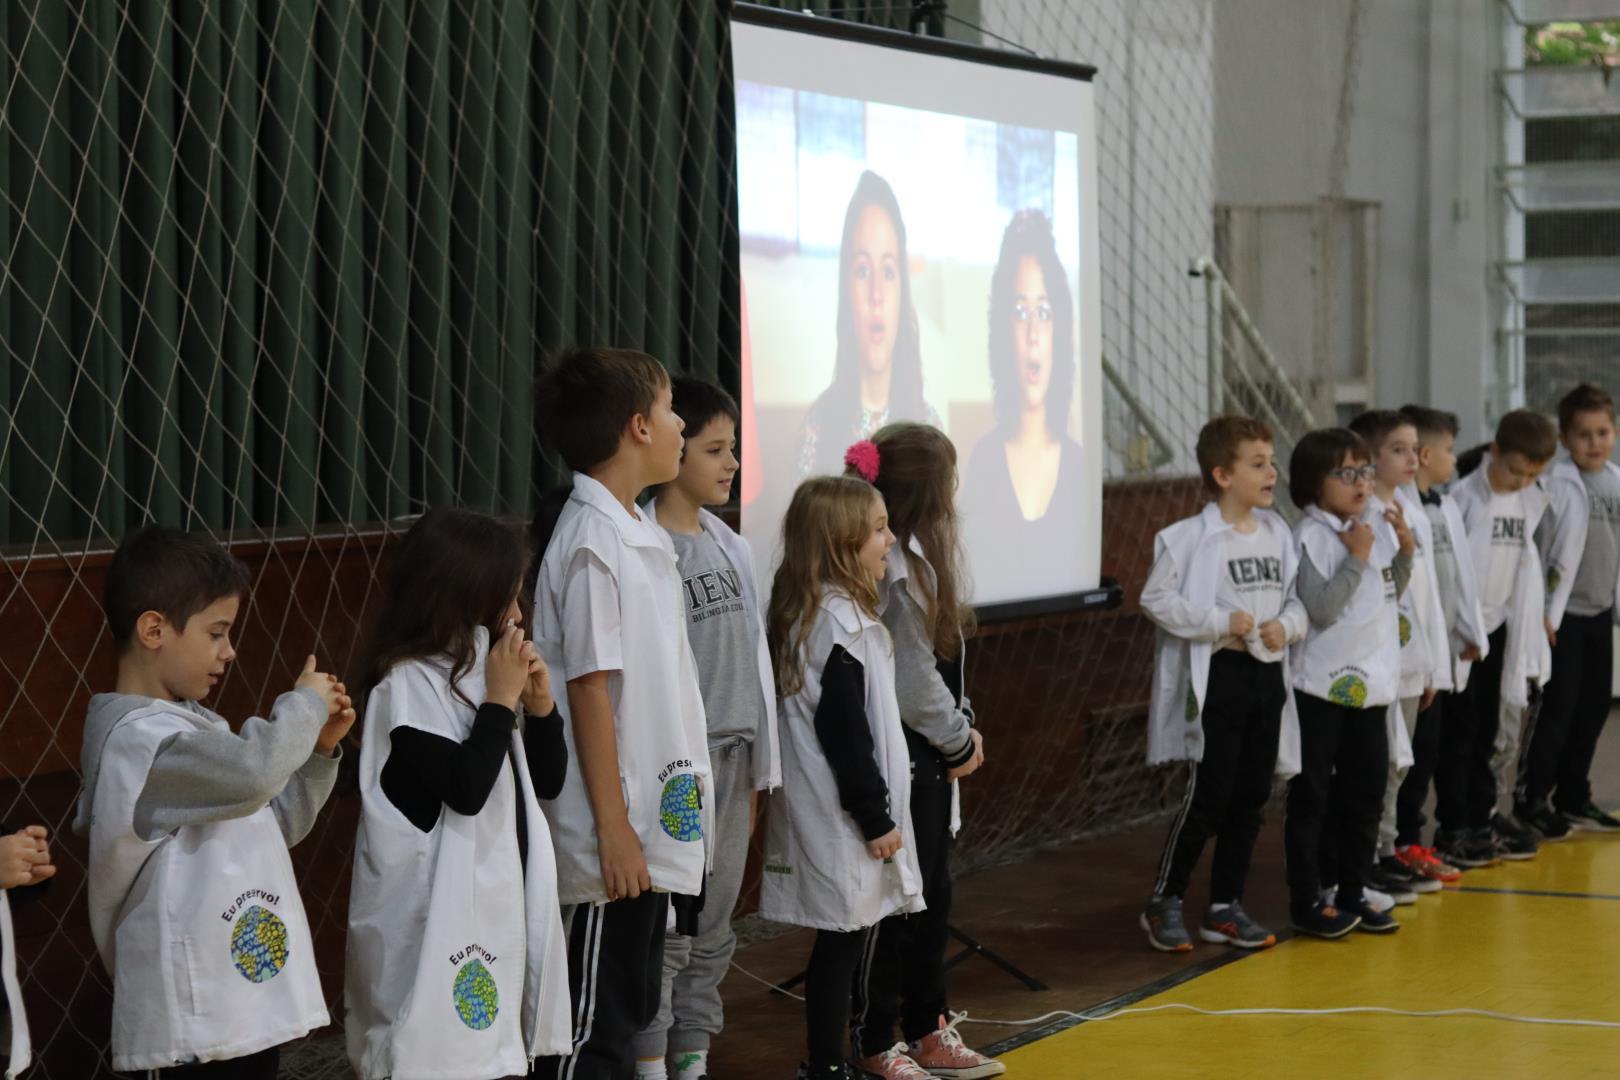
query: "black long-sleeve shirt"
426, 772
845, 735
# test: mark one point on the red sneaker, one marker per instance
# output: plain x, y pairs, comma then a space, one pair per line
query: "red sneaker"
1423, 861
943, 1055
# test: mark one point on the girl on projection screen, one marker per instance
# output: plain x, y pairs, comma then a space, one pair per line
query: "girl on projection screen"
1024, 479
877, 374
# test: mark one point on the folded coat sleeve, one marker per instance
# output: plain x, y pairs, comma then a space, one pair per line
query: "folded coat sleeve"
1170, 610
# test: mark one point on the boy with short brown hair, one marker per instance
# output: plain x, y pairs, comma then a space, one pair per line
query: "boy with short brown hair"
1580, 542
1221, 594
193, 902
1502, 504
631, 822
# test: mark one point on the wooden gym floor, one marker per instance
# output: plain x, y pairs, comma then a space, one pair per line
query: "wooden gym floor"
1535, 939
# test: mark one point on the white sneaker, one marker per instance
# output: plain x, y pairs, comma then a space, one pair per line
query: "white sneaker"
1380, 902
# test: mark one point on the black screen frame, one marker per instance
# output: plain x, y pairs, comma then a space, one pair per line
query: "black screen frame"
866, 34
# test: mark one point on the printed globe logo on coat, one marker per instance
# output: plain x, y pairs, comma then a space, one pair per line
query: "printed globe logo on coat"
259, 944
476, 997
680, 811
1349, 690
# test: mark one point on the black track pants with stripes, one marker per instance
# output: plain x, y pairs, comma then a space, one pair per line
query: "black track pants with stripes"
833, 960
615, 968
901, 980
1228, 789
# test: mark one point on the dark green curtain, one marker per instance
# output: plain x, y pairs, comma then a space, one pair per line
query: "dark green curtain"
270, 264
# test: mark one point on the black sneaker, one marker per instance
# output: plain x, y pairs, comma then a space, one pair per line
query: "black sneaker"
1593, 819
1371, 921
1399, 891
1513, 841
1482, 842
1323, 920
837, 1072
1463, 851
1544, 821
1395, 870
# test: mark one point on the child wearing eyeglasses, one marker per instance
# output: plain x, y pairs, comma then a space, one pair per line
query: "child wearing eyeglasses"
1354, 562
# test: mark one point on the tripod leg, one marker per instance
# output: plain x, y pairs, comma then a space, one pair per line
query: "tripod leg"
975, 948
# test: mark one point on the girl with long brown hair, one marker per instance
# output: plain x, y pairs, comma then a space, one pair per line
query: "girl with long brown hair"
839, 850
454, 897
902, 977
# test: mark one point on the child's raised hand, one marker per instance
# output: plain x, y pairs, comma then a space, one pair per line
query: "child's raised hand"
507, 668
324, 684
1403, 532
1240, 624
1358, 540
884, 846
338, 721
624, 867
1273, 636
25, 858
537, 699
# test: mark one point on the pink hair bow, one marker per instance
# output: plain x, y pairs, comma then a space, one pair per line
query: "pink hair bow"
863, 458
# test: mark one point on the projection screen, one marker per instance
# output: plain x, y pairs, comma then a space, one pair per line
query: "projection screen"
918, 230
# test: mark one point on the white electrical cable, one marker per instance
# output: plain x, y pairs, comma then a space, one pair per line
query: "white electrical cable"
1345, 1010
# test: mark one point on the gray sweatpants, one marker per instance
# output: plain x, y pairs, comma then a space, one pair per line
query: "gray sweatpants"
689, 1009
1514, 731
1392, 785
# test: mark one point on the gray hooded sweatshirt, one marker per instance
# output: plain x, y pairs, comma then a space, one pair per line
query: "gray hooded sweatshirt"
180, 809
211, 775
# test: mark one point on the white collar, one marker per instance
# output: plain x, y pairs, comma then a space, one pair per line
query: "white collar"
635, 532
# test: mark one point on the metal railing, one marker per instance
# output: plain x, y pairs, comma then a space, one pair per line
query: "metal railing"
1250, 380
1163, 451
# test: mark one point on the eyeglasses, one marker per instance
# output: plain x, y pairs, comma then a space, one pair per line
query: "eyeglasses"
1041, 312
1350, 476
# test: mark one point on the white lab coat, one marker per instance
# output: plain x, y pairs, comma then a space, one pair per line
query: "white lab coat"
1180, 600
202, 929
636, 629
1528, 655
457, 963
817, 870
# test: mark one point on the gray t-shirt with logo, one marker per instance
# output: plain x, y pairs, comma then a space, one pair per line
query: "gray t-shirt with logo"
717, 627
1593, 591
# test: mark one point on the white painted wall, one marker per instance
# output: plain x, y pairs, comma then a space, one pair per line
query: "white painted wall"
1420, 145
1235, 101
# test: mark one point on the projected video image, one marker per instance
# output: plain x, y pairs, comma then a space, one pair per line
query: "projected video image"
901, 263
